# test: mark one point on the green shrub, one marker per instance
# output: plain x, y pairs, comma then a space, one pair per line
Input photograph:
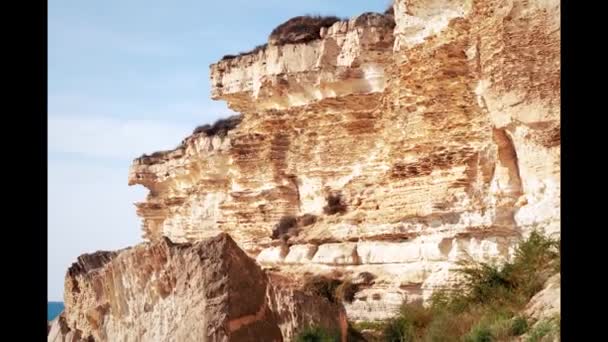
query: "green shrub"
485, 307
409, 325
519, 326
492, 326
536, 259
516, 282
539, 331
416, 314
449, 301
480, 333
501, 328
354, 335
398, 330
547, 328
317, 334
370, 325
447, 327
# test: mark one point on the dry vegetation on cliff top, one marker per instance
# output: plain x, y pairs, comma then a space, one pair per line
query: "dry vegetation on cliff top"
297, 30
220, 127
250, 52
301, 29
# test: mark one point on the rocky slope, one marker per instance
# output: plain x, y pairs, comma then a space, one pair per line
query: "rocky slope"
206, 291
435, 133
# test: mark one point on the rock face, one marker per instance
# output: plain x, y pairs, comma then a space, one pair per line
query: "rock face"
205, 291
438, 131
546, 304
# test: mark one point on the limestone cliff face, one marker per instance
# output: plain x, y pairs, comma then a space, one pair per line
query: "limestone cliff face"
206, 291
437, 131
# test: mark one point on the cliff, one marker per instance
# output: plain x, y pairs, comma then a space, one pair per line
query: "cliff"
206, 291
379, 150
404, 143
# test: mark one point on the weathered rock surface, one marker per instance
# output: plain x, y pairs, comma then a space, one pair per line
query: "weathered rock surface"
205, 291
544, 312
439, 132
546, 304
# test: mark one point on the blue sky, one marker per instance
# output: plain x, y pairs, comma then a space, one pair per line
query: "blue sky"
127, 77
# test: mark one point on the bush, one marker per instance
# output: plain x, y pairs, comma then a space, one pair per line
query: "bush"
446, 326
398, 330
536, 259
519, 326
301, 29
289, 223
250, 52
333, 289
228, 57
480, 334
486, 283
346, 291
334, 205
390, 10
322, 286
354, 335
370, 325
409, 325
485, 308
220, 127
366, 277
516, 282
286, 223
493, 326
416, 314
158, 154
317, 334
542, 329
306, 220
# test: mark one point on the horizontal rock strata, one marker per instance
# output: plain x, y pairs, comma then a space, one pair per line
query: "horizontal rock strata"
415, 140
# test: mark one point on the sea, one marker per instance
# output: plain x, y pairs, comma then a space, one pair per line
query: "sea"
54, 309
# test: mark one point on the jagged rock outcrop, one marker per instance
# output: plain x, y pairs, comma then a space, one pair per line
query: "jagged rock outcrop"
438, 129
205, 291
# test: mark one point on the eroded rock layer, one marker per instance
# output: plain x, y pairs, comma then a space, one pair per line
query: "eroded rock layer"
205, 291
434, 134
